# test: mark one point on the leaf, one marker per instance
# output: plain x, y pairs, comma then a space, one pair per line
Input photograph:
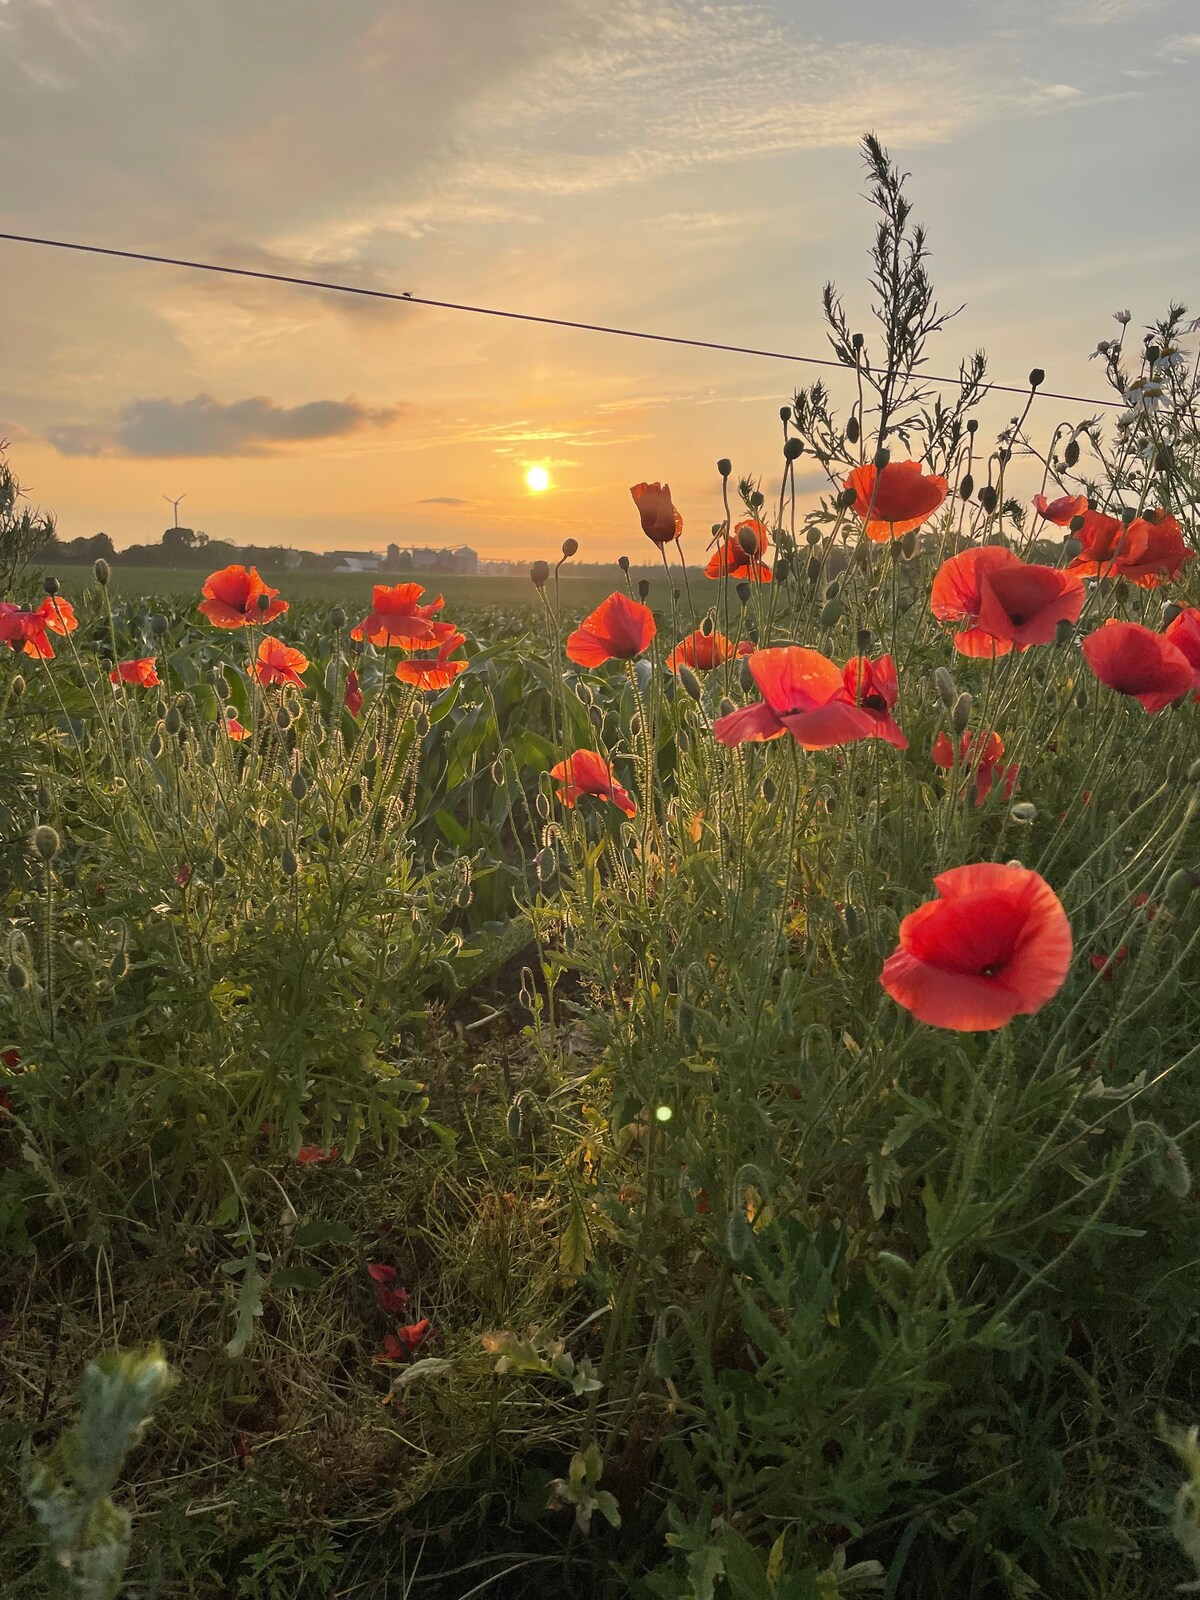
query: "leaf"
429, 1367
248, 1306
318, 1231
304, 1278
573, 1248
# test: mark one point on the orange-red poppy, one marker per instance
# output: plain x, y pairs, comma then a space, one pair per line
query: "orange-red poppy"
1184, 633
404, 1343
279, 663
231, 598
702, 651
57, 614
660, 520
1139, 662
1063, 511
24, 629
397, 617
353, 697
740, 557
586, 772
1148, 552
1008, 602
873, 687
804, 694
995, 944
981, 761
235, 730
310, 1155
142, 672
618, 630
894, 500
1107, 966
435, 671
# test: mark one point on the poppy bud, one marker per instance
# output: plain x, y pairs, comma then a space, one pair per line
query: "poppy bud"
1036, 378
1181, 884
988, 498
283, 719
540, 573
881, 458
813, 536
757, 499
299, 786
793, 449
337, 618
287, 860
216, 869
102, 571
1081, 699
18, 686
158, 625
643, 672
1170, 612
725, 706
944, 684
623, 563
173, 720
544, 863
856, 341
1063, 631
155, 747
264, 602
748, 541
18, 978
852, 920
118, 967
569, 548
689, 680
724, 466
832, 613
1024, 812
643, 588
832, 590
669, 687
512, 1122
45, 842
1071, 453
904, 603
973, 425
767, 788
783, 567
908, 544
543, 806
745, 675
595, 716
51, 585
960, 713
1072, 547
846, 499
743, 593
966, 487
785, 413
853, 431
421, 723
813, 568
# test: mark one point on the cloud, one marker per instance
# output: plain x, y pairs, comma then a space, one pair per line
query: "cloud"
203, 426
1183, 47
442, 500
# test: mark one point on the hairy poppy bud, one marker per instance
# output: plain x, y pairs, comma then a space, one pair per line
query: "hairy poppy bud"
173, 720
1024, 812
643, 588
18, 978
1072, 547
813, 568
512, 1121
595, 716
853, 431
264, 602
643, 672
1081, 699
283, 719
944, 684
1071, 453
569, 548
18, 685
832, 590
757, 499
299, 786
689, 680
45, 841
623, 563
767, 788
783, 567
51, 585
960, 712
905, 603
966, 487
540, 573
158, 625
881, 457
748, 541
1063, 631
287, 860
725, 706
793, 449
813, 536
1170, 612
155, 747
102, 571
1036, 378
118, 967
337, 618
743, 593
217, 869
988, 498
832, 613
846, 499
724, 466
1181, 884
545, 863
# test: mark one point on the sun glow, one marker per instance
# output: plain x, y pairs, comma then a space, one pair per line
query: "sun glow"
537, 479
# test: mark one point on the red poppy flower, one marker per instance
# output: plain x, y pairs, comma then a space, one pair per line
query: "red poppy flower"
142, 672
390, 1294
895, 500
398, 617
1009, 602
26, 629
732, 559
10, 1058
1148, 552
184, 876
279, 663
1136, 661
1107, 966
702, 651
981, 763
1184, 633
57, 614
996, 944
660, 520
405, 1342
312, 1154
352, 699
235, 730
585, 772
872, 686
232, 596
435, 671
1062, 511
804, 694
618, 630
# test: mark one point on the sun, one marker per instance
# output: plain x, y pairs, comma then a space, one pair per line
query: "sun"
537, 480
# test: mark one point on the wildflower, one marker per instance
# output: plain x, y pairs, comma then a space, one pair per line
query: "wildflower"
741, 556
436, 670
1138, 662
184, 876
24, 628
398, 618
1098, 535
896, 498
660, 520
1061, 511
996, 944
804, 694
702, 651
980, 760
405, 1342
57, 614
586, 772
618, 630
872, 686
353, 698
1148, 552
235, 729
279, 663
1009, 602
1123, 317
1107, 966
1183, 631
312, 1154
142, 672
232, 598
390, 1294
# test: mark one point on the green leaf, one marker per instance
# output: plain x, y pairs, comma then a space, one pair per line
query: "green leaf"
303, 1278
318, 1231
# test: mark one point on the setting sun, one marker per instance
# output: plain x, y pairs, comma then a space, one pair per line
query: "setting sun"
537, 479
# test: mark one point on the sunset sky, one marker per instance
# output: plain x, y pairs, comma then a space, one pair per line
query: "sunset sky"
683, 167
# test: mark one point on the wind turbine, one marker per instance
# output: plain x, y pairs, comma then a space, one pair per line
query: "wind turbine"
175, 504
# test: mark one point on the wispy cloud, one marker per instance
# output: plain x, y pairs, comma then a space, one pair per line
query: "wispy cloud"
206, 427
442, 500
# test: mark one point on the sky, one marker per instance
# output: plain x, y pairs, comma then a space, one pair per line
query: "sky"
684, 166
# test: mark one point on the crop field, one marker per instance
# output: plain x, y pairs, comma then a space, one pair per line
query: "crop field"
567, 1092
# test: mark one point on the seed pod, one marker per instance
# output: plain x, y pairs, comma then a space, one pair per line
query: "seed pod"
1071, 453
988, 498
724, 466
845, 499
299, 786
158, 625
18, 978
623, 563
18, 686
960, 713
1024, 812
102, 571
881, 458
173, 720
966, 487
539, 572
864, 639
51, 585
813, 569
643, 673
853, 431
155, 747
832, 613
1036, 378
945, 686
689, 680
793, 449
337, 618
569, 548
643, 589
512, 1121
287, 860
45, 842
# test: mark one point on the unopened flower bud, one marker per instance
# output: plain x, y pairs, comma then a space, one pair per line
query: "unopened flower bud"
299, 786
337, 618
155, 747
18, 685
18, 978
881, 457
724, 466
623, 563
643, 588
158, 625
966, 487
725, 706
813, 536
832, 590
944, 684
853, 431
102, 571
960, 713
757, 499
689, 680
264, 602
118, 967
743, 593
283, 719
643, 673
1081, 699
46, 842
540, 573
1023, 812
1071, 453
748, 541
908, 544
1181, 884
1170, 612
569, 548
767, 788
831, 613
846, 499
988, 498
173, 720
287, 860
51, 585
793, 449
1036, 378
1063, 631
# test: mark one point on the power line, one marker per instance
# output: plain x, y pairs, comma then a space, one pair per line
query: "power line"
511, 316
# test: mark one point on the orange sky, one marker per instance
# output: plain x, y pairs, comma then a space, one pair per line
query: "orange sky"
665, 164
